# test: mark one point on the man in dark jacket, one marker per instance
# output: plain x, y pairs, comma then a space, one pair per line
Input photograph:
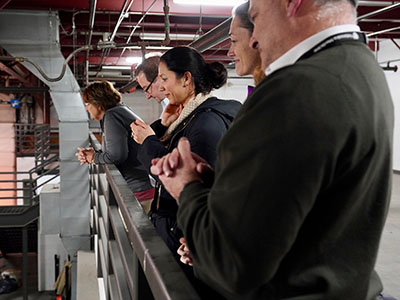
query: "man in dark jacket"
146, 75
303, 175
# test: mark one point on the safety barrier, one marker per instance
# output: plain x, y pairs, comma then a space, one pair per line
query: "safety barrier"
132, 259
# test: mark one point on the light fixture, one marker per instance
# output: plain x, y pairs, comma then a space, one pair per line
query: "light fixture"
149, 47
116, 67
172, 36
210, 2
133, 60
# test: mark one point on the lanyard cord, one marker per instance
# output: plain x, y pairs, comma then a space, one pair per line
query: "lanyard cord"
334, 40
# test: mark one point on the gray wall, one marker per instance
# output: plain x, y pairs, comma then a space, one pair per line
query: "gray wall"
148, 110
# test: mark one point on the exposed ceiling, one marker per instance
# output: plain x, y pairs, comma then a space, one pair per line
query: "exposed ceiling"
187, 22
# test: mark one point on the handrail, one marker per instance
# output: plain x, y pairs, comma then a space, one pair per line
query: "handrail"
40, 139
129, 245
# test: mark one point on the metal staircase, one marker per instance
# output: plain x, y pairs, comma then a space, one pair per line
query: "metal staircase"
18, 223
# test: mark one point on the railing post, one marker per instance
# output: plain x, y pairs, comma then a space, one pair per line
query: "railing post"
143, 290
27, 193
25, 262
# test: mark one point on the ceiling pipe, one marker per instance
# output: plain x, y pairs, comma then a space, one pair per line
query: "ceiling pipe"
23, 89
145, 44
212, 37
167, 39
111, 12
394, 42
4, 4
379, 11
383, 31
37, 67
374, 3
124, 10
105, 46
137, 26
92, 14
122, 14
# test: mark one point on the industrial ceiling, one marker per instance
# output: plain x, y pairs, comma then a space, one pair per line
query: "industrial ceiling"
141, 25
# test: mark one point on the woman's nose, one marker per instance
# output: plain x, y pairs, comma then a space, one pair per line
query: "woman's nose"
231, 53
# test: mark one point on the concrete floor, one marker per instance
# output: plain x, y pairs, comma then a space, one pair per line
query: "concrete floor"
388, 264
14, 261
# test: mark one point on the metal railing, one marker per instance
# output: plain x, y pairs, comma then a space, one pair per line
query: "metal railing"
40, 141
133, 260
30, 181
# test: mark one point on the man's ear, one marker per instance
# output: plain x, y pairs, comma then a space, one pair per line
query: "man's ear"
293, 6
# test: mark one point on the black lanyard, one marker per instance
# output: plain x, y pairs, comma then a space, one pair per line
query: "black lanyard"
334, 40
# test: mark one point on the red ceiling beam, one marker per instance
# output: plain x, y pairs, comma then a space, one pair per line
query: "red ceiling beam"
14, 74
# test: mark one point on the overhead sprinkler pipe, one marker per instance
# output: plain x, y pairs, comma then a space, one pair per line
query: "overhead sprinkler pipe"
213, 37
167, 39
50, 79
142, 44
92, 14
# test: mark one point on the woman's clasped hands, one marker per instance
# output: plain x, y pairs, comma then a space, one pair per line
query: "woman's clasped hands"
140, 131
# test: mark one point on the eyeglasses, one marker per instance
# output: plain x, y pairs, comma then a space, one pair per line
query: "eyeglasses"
151, 82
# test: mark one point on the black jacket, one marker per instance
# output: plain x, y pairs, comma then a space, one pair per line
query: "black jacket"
204, 127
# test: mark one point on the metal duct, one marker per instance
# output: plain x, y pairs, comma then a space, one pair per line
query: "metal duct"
212, 37
34, 34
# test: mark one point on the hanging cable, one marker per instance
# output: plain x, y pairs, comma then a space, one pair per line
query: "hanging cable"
50, 79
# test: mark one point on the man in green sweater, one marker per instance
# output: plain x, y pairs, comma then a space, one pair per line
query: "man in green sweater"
303, 176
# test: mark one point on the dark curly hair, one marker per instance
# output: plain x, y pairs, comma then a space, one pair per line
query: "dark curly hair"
206, 76
102, 94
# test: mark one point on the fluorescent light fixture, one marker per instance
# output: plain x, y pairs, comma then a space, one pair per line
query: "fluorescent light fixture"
116, 67
158, 48
149, 48
133, 60
210, 2
172, 36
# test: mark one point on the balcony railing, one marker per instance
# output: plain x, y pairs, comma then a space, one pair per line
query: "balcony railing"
133, 260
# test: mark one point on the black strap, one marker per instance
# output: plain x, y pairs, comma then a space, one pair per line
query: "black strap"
156, 200
334, 40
